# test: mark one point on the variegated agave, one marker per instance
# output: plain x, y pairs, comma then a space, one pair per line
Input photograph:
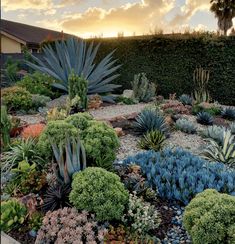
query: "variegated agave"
224, 153
70, 158
73, 55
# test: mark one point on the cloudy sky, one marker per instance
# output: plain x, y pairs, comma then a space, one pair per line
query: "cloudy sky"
88, 18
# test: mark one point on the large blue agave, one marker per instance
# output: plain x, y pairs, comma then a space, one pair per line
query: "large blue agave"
179, 175
73, 55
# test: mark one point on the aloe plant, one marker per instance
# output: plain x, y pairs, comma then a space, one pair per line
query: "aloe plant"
224, 153
73, 55
70, 158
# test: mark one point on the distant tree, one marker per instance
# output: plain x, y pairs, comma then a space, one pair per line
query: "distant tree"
224, 11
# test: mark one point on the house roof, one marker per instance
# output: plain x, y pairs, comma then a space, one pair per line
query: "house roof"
30, 34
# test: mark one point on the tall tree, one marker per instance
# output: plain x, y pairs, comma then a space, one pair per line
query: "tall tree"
224, 11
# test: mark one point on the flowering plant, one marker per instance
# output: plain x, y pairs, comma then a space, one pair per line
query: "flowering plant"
142, 216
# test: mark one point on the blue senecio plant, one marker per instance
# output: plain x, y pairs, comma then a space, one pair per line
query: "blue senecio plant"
179, 175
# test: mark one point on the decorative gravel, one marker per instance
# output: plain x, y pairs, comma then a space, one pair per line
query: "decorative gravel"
128, 146
177, 234
105, 113
191, 142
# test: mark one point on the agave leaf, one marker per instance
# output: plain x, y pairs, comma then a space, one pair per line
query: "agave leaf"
74, 55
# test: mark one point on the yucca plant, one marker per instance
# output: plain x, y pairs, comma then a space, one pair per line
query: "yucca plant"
186, 99
228, 113
224, 153
74, 55
70, 157
152, 140
185, 126
204, 118
150, 119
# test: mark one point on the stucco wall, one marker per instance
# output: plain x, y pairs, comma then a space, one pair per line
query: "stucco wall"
9, 45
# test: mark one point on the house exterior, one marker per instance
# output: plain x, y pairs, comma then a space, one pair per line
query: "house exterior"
15, 36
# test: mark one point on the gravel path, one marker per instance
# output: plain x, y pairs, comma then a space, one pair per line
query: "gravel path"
105, 113
191, 142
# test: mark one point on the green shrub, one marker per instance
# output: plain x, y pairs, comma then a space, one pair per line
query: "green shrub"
16, 98
101, 143
79, 120
13, 213
125, 100
56, 132
99, 191
209, 218
38, 83
39, 100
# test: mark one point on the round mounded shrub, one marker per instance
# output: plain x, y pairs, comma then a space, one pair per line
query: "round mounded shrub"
56, 132
99, 191
79, 120
101, 143
210, 218
16, 98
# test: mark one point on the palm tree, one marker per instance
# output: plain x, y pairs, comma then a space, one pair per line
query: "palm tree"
224, 11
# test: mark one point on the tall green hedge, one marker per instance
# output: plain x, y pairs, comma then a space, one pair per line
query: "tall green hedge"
169, 61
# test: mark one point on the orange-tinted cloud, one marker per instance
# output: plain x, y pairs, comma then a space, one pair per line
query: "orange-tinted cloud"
136, 17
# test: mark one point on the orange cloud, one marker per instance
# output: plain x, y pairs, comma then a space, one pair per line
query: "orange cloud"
129, 18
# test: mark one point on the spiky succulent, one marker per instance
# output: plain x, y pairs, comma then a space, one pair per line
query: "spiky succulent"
185, 126
228, 113
186, 99
150, 119
74, 55
221, 153
57, 196
204, 118
70, 158
152, 140
232, 128
214, 132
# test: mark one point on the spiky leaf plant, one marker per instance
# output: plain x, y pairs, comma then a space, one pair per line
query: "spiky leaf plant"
204, 118
228, 113
186, 99
185, 126
57, 196
73, 54
150, 119
152, 140
70, 158
221, 153
214, 132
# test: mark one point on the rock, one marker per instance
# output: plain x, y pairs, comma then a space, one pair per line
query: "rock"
58, 102
169, 120
119, 131
94, 102
128, 93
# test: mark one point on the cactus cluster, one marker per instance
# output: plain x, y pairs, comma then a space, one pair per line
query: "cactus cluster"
201, 79
78, 86
143, 89
6, 126
179, 175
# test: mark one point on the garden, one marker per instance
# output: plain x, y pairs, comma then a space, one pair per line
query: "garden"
86, 160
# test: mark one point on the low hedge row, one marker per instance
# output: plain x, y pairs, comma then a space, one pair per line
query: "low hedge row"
170, 60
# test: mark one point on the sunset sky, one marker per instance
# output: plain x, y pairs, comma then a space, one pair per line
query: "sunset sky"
88, 18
